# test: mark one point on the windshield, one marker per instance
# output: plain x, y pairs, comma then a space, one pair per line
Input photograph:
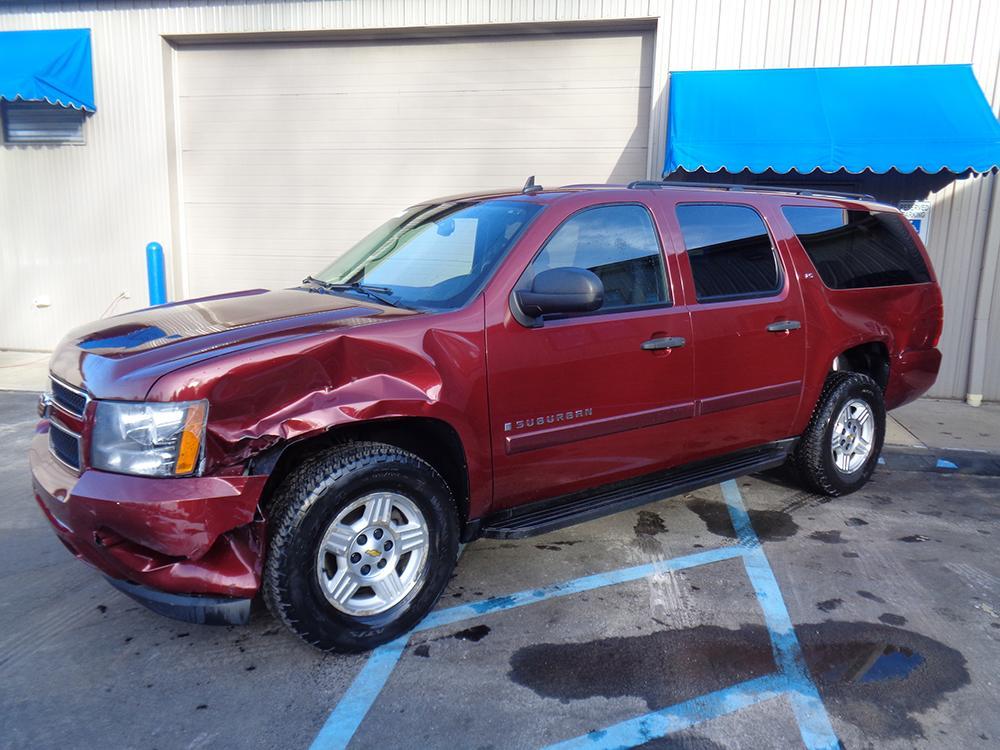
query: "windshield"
433, 257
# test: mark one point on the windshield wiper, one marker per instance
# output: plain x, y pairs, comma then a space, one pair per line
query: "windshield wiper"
381, 294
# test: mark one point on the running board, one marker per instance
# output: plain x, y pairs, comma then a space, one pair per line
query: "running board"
567, 510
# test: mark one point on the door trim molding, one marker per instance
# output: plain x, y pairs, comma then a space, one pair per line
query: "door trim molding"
568, 433
750, 396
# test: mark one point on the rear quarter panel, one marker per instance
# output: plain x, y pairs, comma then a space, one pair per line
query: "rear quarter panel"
838, 320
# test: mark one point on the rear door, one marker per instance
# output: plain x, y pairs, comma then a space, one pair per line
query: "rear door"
592, 398
747, 317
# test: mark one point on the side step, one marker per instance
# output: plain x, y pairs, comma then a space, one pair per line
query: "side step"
559, 512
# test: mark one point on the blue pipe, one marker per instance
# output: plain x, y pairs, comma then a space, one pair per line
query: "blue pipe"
156, 274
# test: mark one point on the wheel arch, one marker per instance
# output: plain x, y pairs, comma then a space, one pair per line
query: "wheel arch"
429, 438
870, 358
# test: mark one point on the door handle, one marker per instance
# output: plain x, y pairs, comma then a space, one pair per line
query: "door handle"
667, 342
784, 325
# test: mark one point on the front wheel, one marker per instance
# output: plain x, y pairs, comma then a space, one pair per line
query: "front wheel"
363, 540
840, 448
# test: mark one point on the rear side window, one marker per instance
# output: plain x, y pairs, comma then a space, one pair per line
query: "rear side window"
858, 249
730, 252
619, 244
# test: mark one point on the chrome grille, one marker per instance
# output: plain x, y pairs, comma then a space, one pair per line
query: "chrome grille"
69, 398
64, 444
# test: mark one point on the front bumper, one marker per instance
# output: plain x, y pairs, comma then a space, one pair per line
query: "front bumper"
201, 610
190, 535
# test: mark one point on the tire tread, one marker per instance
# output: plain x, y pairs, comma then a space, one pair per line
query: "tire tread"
299, 493
808, 458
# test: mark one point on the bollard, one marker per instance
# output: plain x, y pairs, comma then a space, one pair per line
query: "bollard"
155, 273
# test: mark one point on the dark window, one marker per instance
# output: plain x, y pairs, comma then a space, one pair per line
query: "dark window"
41, 122
856, 249
730, 252
619, 244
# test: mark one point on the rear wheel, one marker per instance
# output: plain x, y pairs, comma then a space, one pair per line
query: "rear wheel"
840, 448
363, 540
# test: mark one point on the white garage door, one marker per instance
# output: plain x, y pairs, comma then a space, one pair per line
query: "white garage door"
291, 152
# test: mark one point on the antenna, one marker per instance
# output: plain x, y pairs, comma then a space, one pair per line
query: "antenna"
530, 186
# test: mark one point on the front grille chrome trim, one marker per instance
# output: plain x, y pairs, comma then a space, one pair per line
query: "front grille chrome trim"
58, 383
54, 424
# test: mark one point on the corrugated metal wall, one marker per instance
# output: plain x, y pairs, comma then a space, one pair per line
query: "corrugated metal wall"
74, 219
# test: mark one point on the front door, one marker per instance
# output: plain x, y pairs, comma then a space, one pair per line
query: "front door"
747, 317
597, 397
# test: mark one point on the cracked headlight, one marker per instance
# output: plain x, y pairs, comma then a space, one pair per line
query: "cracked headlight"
149, 439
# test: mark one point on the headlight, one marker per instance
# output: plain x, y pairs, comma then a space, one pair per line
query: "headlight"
152, 439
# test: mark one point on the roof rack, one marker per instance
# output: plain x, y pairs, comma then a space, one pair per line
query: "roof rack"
737, 187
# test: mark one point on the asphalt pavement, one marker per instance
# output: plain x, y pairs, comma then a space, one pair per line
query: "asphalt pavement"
582, 635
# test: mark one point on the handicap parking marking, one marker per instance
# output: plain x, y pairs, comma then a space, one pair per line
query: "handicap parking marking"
792, 679
642, 729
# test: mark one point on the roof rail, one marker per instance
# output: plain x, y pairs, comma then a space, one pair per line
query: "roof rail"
737, 187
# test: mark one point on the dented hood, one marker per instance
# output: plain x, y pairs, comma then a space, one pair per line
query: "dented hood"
121, 357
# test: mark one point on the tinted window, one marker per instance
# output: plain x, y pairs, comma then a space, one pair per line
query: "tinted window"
730, 251
619, 244
855, 249
434, 256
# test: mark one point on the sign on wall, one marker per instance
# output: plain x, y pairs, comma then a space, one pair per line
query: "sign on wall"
919, 215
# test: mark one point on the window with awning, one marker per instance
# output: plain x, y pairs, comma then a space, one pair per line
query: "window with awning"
931, 118
46, 85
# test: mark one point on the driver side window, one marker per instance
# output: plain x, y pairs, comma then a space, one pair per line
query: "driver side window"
619, 244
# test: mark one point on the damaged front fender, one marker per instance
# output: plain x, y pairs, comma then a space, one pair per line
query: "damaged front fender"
289, 391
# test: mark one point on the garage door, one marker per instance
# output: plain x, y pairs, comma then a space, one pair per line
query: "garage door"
291, 152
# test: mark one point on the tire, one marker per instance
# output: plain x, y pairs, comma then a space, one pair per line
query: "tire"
310, 592
815, 454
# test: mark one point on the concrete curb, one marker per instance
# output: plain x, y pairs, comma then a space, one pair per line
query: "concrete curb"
940, 461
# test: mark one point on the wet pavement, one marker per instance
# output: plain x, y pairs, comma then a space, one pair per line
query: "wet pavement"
894, 593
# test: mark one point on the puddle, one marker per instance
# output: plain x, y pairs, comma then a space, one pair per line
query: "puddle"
475, 634
649, 524
893, 664
877, 677
830, 537
662, 668
890, 619
770, 525
873, 597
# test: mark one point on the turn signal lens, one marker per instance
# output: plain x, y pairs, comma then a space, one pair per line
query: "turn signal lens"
190, 445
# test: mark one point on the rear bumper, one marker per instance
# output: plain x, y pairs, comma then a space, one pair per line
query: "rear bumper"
911, 374
190, 536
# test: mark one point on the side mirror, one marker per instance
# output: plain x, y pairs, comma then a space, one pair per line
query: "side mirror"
558, 290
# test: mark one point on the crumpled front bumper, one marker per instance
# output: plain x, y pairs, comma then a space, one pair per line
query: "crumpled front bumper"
198, 536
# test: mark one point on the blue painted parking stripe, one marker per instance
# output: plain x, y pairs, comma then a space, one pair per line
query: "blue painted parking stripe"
462, 612
793, 679
354, 705
814, 723
345, 719
642, 729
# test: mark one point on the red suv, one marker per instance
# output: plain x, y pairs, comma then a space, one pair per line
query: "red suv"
492, 365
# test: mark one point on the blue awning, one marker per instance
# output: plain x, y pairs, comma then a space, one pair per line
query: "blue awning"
53, 65
928, 117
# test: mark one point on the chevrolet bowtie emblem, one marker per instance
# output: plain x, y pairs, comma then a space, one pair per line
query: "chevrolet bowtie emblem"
372, 552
